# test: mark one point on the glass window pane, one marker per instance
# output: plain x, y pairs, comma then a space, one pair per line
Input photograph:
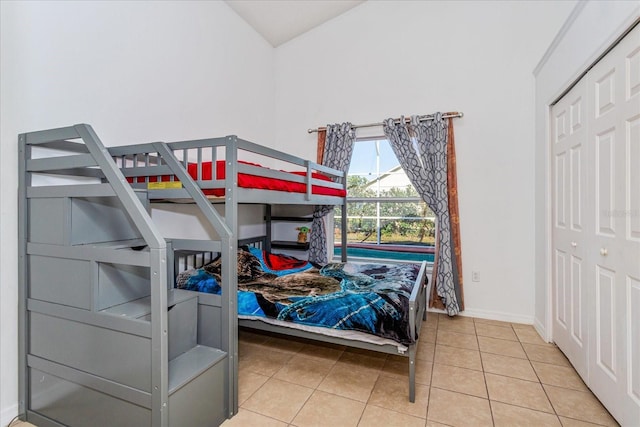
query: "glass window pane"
376, 173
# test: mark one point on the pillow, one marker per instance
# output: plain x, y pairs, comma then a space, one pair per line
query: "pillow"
279, 264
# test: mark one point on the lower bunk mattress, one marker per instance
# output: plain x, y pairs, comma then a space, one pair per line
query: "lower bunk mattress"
370, 299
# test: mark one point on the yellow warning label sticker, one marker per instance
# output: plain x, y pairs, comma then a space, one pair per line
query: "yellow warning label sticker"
167, 185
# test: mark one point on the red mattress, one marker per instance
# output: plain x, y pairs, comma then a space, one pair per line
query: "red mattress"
252, 181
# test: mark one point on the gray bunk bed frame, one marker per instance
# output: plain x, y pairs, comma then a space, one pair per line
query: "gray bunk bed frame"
101, 226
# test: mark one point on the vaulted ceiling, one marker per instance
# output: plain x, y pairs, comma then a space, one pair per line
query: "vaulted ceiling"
279, 21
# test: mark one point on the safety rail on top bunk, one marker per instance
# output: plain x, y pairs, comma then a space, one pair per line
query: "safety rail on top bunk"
145, 168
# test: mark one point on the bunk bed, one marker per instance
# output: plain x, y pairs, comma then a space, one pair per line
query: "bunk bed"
92, 260
294, 302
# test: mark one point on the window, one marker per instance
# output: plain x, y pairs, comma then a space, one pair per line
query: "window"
386, 218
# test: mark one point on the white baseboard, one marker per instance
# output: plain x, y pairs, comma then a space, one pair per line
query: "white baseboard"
8, 414
493, 315
541, 330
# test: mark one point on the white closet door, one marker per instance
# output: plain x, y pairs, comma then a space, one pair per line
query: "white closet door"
614, 144
570, 245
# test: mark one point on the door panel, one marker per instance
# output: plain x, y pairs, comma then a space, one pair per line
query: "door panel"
633, 176
561, 289
606, 347
633, 337
569, 197
561, 196
577, 307
576, 184
605, 191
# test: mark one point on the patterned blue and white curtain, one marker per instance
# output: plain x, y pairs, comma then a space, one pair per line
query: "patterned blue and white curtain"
337, 155
421, 148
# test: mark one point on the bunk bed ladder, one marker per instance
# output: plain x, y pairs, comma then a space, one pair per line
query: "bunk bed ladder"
226, 228
158, 276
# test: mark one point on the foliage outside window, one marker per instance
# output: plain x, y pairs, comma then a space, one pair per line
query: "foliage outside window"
382, 205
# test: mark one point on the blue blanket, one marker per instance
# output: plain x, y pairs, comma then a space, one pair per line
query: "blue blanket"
371, 298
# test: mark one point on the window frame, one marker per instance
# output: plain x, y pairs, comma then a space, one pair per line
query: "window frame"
378, 200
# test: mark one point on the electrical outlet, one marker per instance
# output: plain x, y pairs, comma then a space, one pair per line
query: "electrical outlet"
475, 276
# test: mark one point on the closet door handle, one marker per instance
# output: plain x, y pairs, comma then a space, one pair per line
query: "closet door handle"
604, 251
574, 244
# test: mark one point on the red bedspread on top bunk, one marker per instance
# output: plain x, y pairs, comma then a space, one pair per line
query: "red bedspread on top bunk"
252, 181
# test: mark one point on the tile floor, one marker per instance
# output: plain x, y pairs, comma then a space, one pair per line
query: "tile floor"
470, 372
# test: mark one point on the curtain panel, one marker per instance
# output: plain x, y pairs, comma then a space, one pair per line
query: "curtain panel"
425, 156
336, 153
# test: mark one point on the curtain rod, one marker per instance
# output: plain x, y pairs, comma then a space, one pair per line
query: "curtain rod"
450, 115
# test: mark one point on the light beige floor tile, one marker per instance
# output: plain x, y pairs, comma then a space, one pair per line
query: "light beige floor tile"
560, 376
324, 409
570, 422
246, 348
578, 405
248, 383
456, 339
457, 379
370, 353
282, 344
264, 362
529, 335
514, 416
389, 393
374, 416
304, 371
278, 399
246, 335
459, 324
428, 336
322, 351
432, 321
491, 322
493, 331
363, 360
522, 326
425, 351
442, 316
457, 409
399, 367
546, 354
435, 424
348, 381
460, 357
501, 347
508, 366
527, 394
245, 418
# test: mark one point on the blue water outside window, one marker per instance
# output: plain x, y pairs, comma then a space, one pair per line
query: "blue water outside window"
386, 217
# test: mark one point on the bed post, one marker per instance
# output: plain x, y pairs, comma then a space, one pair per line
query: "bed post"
412, 372
229, 269
343, 232
24, 181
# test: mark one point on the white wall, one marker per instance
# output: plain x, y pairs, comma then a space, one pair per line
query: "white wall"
388, 58
135, 71
591, 29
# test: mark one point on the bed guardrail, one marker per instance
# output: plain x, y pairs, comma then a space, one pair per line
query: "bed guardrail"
145, 168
